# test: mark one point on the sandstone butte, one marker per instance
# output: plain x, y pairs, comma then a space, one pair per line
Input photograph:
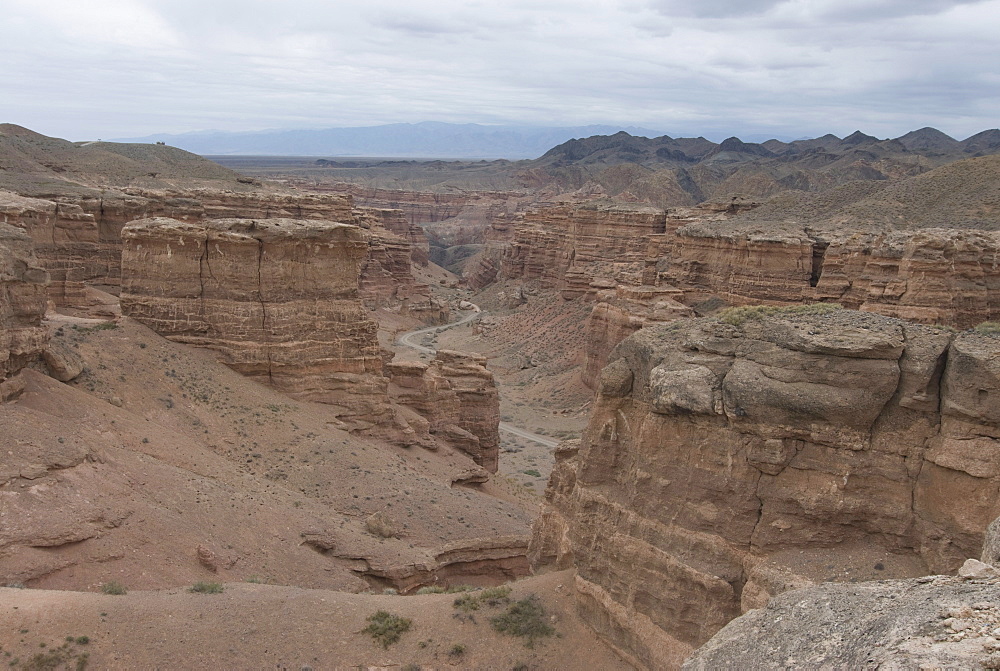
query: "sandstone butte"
78, 238
278, 299
726, 463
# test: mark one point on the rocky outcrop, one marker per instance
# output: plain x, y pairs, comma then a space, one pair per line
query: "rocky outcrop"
387, 270
22, 307
621, 312
567, 246
933, 276
936, 622
453, 398
277, 298
725, 463
78, 239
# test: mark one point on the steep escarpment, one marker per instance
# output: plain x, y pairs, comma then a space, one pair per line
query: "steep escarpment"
934, 275
566, 247
22, 307
455, 398
277, 298
78, 238
728, 461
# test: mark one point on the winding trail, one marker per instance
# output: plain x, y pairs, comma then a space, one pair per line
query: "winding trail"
406, 341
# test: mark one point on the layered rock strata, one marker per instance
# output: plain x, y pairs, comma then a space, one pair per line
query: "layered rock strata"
620, 312
567, 246
453, 398
277, 298
22, 307
78, 239
934, 275
728, 462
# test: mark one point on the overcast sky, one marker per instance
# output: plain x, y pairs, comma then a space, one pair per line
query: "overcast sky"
83, 69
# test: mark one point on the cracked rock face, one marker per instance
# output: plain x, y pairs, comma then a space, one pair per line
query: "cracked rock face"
924, 623
22, 307
725, 464
277, 298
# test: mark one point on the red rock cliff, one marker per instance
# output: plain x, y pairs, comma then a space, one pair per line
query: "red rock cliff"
278, 298
727, 462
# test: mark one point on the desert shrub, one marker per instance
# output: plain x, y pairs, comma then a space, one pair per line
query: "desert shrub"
114, 587
524, 619
206, 588
431, 589
457, 650
491, 596
739, 315
467, 603
438, 589
380, 525
991, 329
385, 628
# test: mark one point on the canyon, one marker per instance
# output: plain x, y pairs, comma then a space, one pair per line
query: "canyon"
762, 399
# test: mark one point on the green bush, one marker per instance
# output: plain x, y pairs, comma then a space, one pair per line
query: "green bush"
524, 619
386, 628
206, 588
114, 587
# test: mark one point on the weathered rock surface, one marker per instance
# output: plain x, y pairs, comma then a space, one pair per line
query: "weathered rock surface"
78, 238
621, 312
567, 246
726, 463
277, 298
935, 622
22, 307
454, 398
933, 276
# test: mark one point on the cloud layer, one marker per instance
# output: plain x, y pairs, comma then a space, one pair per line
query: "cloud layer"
789, 68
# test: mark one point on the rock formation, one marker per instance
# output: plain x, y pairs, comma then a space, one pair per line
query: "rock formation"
728, 461
933, 276
567, 246
22, 307
277, 298
453, 398
619, 313
78, 238
936, 622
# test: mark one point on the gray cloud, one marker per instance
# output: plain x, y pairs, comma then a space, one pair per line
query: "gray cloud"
791, 67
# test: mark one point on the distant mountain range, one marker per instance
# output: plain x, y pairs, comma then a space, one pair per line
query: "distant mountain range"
429, 139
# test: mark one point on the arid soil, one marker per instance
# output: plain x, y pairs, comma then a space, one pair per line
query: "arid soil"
270, 626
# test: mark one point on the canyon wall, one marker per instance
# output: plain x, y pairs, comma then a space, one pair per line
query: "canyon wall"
933, 275
277, 298
78, 239
22, 307
567, 246
728, 462
453, 398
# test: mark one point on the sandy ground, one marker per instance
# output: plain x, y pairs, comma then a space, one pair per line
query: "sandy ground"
254, 626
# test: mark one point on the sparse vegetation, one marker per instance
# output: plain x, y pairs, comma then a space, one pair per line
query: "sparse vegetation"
386, 628
206, 588
114, 587
456, 650
989, 329
491, 596
532, 472
380, 525
737, 316
524, 619
437, 589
